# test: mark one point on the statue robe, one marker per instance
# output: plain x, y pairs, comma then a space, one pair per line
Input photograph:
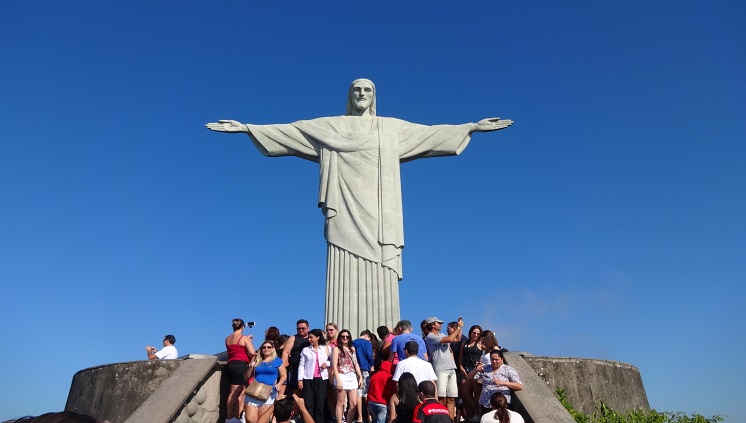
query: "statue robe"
360, 196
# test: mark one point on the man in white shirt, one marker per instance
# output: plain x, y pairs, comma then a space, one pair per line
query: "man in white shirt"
420, 369
166, 353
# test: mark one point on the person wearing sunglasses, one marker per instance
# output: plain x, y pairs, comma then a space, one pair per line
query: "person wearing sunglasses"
268, 369
167, 353
314, 373
347, 376
291, 351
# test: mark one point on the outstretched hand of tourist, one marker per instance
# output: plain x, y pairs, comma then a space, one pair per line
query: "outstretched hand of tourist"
232, 126
299, 402
491, 124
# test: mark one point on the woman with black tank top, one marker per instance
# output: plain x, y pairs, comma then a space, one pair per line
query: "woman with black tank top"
471, 351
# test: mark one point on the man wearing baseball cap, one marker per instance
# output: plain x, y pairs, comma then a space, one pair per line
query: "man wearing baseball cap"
441, 357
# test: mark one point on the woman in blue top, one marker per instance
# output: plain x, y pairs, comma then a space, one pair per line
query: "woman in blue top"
268, 369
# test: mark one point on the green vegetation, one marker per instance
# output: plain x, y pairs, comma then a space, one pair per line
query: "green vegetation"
604, 414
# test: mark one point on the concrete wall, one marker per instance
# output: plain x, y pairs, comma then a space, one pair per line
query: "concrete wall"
587, 381
190, 395
187, 390
536, 401
114, 391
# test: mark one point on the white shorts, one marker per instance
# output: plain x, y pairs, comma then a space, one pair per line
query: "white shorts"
253, 402
447, 386
349, 381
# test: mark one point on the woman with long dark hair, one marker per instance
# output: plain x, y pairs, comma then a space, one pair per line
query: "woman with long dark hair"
240, 352
471, 351
403, 403
313, 373
347, 376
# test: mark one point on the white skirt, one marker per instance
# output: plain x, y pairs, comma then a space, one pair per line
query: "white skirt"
349, 381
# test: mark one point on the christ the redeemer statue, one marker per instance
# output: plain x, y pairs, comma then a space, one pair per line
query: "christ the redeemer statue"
360, 195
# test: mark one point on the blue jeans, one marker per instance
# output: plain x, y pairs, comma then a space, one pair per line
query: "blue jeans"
379, 412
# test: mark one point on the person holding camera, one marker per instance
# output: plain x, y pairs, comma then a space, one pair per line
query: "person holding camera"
240, 352
495, 377
167, 353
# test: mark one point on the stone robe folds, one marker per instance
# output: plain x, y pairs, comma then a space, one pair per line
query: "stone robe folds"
360, 196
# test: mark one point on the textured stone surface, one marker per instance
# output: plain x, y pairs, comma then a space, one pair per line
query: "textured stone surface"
537, 401
204, 406
179, 394
587, 381
114, 391
187, 391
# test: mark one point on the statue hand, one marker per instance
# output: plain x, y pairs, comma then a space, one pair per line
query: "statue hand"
232, 126
492, 124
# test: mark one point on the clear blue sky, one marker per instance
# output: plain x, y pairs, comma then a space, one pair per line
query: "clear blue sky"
608, 222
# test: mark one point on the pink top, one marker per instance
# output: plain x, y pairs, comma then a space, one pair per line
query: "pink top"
390, 338
316, 368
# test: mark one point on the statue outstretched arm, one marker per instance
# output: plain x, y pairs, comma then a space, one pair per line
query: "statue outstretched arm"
490, 124
232, 126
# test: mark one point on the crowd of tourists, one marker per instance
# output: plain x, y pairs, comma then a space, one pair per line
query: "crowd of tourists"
391, 376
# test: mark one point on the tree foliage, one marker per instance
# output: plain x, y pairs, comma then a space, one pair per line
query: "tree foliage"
605, 414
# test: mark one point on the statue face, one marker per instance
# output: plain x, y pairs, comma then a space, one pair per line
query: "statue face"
362, 95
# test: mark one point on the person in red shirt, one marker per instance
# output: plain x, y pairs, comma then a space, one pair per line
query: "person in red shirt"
430, 410
382, 387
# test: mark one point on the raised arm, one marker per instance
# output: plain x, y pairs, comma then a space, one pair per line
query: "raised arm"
247, 343
231, 126
307, 418
456, 335
490, 124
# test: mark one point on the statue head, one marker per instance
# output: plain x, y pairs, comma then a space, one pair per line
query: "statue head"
361, 97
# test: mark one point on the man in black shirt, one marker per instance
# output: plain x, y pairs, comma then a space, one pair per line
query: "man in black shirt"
291, 355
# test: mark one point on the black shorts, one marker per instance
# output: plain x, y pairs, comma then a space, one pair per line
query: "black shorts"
236, 369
